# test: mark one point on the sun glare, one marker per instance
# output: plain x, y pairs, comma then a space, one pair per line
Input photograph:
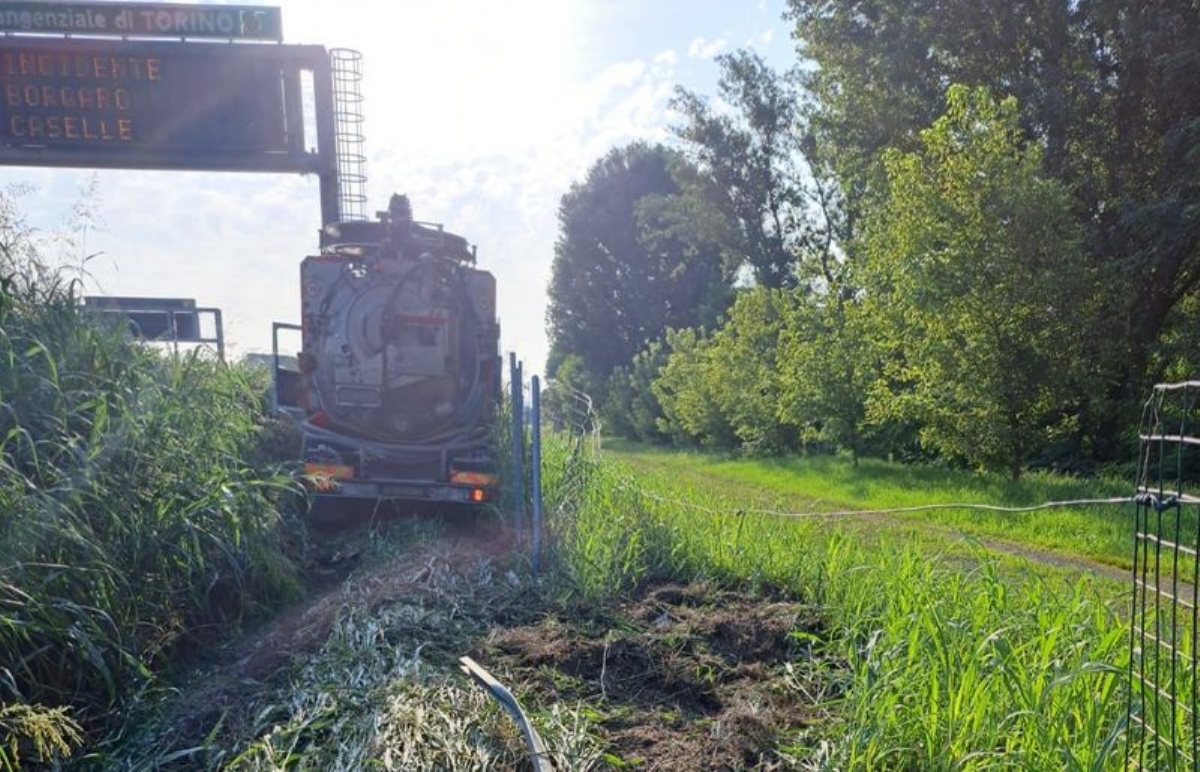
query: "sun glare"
484, 77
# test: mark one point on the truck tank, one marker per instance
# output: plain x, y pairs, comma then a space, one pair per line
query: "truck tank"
397, 382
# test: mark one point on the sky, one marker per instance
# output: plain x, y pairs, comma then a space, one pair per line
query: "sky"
484, 113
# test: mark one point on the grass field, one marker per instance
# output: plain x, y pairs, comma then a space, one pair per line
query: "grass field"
1099, 533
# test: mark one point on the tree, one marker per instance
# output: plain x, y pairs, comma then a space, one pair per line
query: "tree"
631, 408
745, 377
974, 281
723, 390
1110, 89
885, 65
1143, 208
754, 160
616, 283
684, 389
826, 370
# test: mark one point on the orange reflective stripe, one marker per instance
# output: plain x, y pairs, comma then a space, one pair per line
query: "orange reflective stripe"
474, 478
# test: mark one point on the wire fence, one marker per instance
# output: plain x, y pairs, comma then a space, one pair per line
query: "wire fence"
1162, 708
575, 428
552, 438
847, 513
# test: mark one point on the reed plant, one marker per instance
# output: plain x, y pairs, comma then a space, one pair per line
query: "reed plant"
132, 529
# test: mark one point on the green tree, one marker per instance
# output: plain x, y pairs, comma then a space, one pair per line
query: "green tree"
744, 373
684, 389
631, 408
762, 191
974, 281
884, 66
617, 284
826, 368
1143, 208
723, 390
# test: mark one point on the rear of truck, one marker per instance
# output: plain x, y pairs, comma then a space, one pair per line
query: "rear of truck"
397, 383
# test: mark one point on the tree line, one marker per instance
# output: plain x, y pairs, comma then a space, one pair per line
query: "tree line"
955, 230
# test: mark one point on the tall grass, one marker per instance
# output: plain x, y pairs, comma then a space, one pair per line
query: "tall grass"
131, 528
953, 659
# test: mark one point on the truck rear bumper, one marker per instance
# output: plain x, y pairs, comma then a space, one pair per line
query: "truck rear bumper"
409, 490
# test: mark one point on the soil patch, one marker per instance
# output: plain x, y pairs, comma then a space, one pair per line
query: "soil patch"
683, 677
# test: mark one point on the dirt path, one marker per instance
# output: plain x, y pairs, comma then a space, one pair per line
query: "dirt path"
226, 689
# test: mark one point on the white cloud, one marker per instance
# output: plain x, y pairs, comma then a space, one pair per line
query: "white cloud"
507, 200
702, 48
616, 76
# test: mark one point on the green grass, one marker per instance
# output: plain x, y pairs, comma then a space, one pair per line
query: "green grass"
823, 483
953, 659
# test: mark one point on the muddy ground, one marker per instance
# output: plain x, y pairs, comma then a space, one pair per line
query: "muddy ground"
681, 677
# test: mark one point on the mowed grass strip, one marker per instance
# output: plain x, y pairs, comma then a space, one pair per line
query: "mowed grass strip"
801, 484
365, 675
954, 659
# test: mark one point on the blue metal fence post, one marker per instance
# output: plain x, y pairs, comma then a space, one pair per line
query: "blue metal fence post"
536, 417
518, 444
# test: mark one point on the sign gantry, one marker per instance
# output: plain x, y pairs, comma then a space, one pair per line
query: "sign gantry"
93, 102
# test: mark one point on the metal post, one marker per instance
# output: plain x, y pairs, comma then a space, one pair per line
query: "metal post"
220, 333
322, 74
537, 473
518, 445
275, 368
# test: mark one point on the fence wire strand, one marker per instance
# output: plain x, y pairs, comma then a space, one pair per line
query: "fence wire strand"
844, 513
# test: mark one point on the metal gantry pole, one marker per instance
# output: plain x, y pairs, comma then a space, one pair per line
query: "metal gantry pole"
327, 166
220, 334
536, 463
